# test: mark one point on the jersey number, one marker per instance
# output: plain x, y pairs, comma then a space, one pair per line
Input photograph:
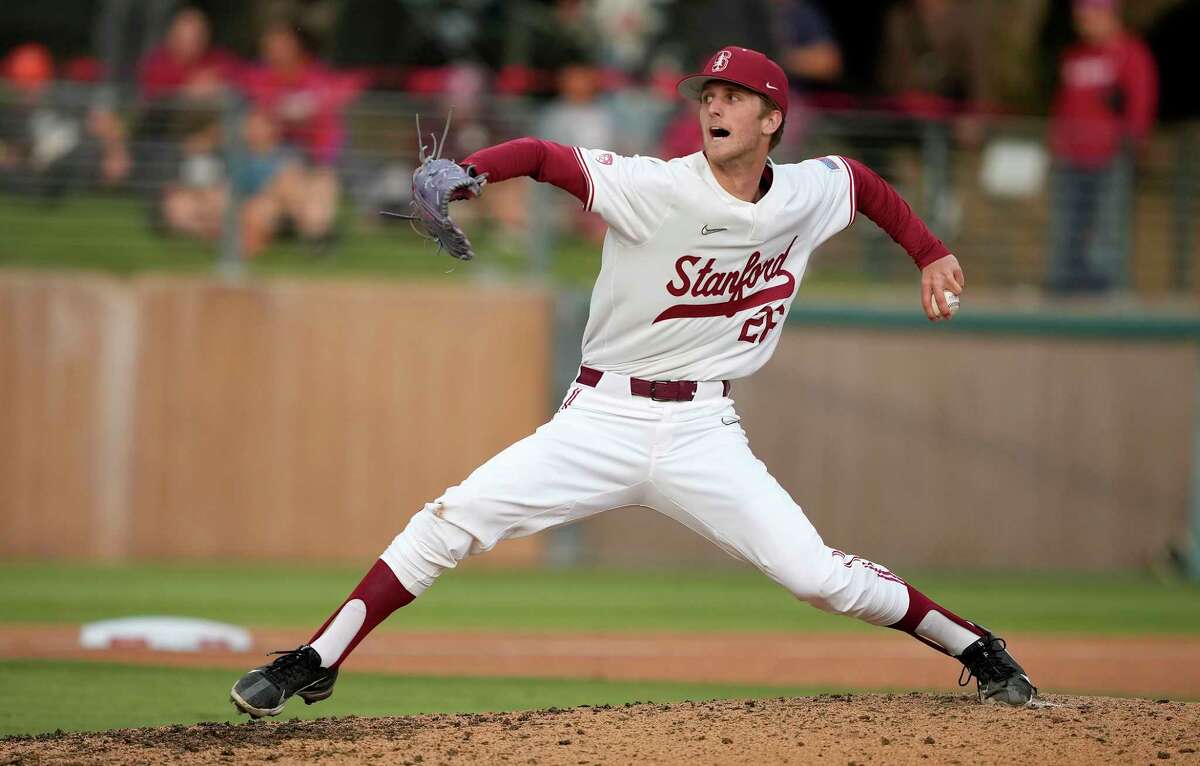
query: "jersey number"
758, 327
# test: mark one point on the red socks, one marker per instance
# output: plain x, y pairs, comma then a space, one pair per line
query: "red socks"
935, 625
373, 599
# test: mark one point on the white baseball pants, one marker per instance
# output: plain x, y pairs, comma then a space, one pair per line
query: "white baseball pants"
605, 449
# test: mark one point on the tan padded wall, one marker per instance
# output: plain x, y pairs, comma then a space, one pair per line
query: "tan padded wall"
930, 449
270, 420
67, 347
186, 418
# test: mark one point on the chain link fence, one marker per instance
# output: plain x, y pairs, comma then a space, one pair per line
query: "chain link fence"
201, 185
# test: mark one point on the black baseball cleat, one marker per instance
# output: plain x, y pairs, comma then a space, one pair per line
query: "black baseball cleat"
998, 677
265, 690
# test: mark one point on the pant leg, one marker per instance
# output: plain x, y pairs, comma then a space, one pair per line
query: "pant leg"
1072, 216
587, 459
709, 480
1109, 256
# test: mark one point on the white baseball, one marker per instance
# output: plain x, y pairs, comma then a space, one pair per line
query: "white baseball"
951, 301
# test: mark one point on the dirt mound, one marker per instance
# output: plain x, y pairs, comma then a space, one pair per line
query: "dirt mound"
838, 729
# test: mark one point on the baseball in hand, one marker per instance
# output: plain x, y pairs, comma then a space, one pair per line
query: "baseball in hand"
951, 301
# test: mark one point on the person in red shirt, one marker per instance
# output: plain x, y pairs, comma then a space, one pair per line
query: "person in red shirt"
177, 133
1103, 111
185, 64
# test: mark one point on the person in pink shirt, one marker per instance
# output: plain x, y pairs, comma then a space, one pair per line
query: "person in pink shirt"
177, 131
304, 95
1102, 114
304, 100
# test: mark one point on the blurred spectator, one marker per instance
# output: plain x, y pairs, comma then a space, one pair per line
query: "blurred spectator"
933, 63
41, 144
627, 29
125, 31
812, 59
809, 53
578, 118
279, 190
298, 104
304, 96
176, 127
193, 204
108, 129
681, 136
1102, 113
185, 64
29, 68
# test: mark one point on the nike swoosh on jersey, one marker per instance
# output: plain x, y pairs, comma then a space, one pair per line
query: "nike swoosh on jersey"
705, 231
730, 421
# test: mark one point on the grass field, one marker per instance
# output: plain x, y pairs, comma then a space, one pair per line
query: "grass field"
103, 696
478, 598
112, 234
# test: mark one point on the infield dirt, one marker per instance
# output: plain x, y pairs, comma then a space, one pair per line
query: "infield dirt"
1150, 666
837, 729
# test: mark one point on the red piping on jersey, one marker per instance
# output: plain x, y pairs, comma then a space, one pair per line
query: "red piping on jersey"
544, 161
853, 194
591, 197
882, 204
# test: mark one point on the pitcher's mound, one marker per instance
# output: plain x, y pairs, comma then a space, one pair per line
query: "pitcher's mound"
835, 729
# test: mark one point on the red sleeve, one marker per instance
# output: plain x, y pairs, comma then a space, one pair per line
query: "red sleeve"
543, 161
876, 199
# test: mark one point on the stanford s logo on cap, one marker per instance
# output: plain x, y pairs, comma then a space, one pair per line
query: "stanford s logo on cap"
750, 69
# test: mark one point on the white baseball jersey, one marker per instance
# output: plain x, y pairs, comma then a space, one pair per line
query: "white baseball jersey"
695, 283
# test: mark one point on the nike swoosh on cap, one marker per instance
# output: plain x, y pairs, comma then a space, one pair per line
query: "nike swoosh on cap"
705, 230
771, 87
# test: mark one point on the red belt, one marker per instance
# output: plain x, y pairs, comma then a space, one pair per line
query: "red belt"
658, 390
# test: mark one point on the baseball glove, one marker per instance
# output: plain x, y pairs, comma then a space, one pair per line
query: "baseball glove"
436, 183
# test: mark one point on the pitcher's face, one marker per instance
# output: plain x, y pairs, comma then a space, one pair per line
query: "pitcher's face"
733, 122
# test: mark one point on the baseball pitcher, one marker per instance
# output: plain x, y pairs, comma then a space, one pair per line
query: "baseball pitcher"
700, 266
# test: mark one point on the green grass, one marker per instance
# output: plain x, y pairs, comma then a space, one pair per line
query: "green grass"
112, 234
76, 696
580, 600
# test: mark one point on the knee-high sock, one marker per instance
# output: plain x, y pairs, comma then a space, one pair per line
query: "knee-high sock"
936, 625
372, 600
